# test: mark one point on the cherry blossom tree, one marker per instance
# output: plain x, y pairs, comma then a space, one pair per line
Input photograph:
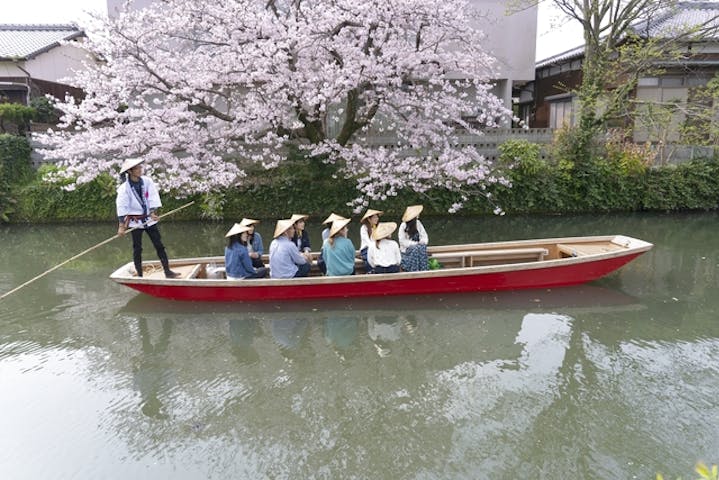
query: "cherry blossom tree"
201, 89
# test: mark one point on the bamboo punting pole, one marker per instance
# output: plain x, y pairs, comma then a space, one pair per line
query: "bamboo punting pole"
83, 253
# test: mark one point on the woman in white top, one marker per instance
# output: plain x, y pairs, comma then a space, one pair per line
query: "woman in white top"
413, 240
369, 222
383, 253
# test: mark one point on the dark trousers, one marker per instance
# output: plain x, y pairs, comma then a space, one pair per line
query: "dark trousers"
367, 266
303, 270
390, 269
260, 273
154, 234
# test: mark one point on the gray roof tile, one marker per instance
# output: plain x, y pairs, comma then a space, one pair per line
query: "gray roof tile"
27, 41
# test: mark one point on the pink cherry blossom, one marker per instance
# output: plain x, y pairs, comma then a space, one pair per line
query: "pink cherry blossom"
380, 88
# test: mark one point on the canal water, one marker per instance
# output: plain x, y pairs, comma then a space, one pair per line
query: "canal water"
617, 379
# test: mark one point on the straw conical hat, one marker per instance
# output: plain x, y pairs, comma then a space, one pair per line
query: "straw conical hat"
411, 212
248, 221
237, 229
383, 230
298, 216
338, 225
369, 213
282, 226
333, 216
129, 163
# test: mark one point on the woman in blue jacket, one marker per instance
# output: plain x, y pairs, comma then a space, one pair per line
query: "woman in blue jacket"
238, 264
254, 242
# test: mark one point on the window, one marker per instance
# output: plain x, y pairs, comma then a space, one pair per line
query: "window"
560, 113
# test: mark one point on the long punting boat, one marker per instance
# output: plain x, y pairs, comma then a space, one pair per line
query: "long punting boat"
524, 264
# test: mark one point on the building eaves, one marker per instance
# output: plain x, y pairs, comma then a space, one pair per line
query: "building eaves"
24, 42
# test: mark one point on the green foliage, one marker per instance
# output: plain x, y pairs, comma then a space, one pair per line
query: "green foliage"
692, 185
15, 117
212, 205
627, 157
618, 181
44, 111
521, 155
15, 169
576, 146
44, 202
15, 159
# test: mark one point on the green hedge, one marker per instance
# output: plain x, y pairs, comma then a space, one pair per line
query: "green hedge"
15, 166
538, 186
15, 169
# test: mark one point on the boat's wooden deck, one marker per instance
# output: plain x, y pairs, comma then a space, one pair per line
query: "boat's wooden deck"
460, 256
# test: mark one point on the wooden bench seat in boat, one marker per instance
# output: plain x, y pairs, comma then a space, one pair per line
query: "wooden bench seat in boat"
471, 258
581, 249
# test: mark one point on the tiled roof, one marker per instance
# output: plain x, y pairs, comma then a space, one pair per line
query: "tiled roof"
27, 41
576, 52
685, 15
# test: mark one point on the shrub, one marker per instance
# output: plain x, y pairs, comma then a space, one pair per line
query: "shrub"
15, 117
44, 111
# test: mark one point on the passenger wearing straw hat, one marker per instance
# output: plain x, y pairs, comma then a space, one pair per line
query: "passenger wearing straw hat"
369, 221
255, 247
325, 235
137, 202
237, 258
301, 238
328, 221
338, 250
383, 253
413, 240
285, 260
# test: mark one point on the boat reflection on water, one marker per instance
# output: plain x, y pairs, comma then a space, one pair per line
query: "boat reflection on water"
242, 334
445, 368
381, 324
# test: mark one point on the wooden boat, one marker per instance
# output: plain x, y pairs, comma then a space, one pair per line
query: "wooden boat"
524, 264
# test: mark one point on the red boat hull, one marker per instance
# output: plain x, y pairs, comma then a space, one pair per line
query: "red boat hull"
466, 280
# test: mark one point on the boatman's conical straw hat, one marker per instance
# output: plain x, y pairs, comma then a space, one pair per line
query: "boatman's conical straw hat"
338, 225
237, 229
369, 213
282, 226
383, 230
129, 163
411, 212
296, 217
333, 216
248, 221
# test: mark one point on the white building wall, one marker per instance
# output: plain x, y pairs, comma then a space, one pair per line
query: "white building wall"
53, 66
57, 64
511, 37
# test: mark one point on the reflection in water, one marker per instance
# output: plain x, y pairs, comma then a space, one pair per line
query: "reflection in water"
153, 372
387, 329
288, 333
242, 334
341, 331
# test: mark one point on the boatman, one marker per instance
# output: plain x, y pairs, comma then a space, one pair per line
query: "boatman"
137, 202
